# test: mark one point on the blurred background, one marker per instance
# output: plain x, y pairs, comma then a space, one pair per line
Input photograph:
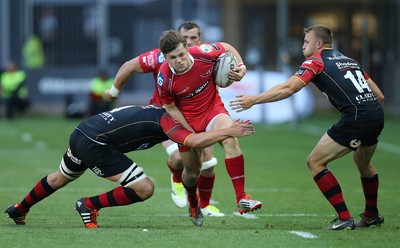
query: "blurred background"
62, 44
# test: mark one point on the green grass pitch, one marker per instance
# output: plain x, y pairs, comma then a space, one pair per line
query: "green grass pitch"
293, 213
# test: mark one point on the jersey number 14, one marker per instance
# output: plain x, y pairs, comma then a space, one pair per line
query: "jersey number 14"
358, 80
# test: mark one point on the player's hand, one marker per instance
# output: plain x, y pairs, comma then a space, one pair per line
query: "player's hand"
108, 95
242, 102
237, 73
241, 128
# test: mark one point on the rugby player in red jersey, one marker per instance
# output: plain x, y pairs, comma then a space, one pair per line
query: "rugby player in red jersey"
150, 62
187, 90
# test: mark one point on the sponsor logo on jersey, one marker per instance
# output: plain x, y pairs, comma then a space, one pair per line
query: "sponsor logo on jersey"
337, 57
347, 65
198, 90
182, 91
307, 62
160, 57
207, 73
205, 48
216, 47
160, 79
366, 97
300, 72
150, 60
355, 143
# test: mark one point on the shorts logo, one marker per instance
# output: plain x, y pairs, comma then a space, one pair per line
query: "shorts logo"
72, 157
355, 143
97, 171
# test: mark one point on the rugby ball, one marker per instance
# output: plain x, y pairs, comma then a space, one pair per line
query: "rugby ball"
224, 63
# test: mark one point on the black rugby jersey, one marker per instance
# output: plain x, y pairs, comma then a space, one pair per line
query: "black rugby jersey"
129, 128
343, 81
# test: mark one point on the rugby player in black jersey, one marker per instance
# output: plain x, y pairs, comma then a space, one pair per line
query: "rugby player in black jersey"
99, 144
350, 89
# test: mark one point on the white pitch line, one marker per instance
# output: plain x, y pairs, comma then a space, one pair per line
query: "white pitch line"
246, 215
306, 235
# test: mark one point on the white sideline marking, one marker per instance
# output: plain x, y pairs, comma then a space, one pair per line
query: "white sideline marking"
246, 215
306, 235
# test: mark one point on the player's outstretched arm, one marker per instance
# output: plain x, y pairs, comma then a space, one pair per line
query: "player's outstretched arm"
123, 75
240, 128
276, 93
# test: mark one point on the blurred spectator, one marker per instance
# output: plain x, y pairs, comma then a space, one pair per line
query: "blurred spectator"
14, 92
98, 100
33, 52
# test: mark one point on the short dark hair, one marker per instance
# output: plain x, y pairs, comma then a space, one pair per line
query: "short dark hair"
321, 32
170, 40
189, 25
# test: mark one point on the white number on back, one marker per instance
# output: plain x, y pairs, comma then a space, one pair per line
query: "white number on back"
360, 83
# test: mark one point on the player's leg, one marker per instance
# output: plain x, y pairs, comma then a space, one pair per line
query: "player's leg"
174, 163
370, 183
205, 184
234, 163
324, 152
134, 187
191, 159
69, 170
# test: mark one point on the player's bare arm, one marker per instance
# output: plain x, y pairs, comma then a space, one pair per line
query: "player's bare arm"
123, 75
276, 93
238, 72
240, 128
375, 89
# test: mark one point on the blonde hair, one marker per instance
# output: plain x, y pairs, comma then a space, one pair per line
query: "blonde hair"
321, 32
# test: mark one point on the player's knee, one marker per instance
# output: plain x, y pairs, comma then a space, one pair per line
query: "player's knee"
147, 190
175, 161
310, 162
231, 147
57, 180
143, 188
192, 174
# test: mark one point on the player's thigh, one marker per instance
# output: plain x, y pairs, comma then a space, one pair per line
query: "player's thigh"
326, 151
219, 121
363, 155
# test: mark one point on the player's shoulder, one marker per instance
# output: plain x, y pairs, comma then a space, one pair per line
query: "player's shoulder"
152, 58
206, 48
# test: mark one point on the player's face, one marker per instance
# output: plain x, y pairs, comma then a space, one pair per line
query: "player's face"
311, 44
191, 36
179, 59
